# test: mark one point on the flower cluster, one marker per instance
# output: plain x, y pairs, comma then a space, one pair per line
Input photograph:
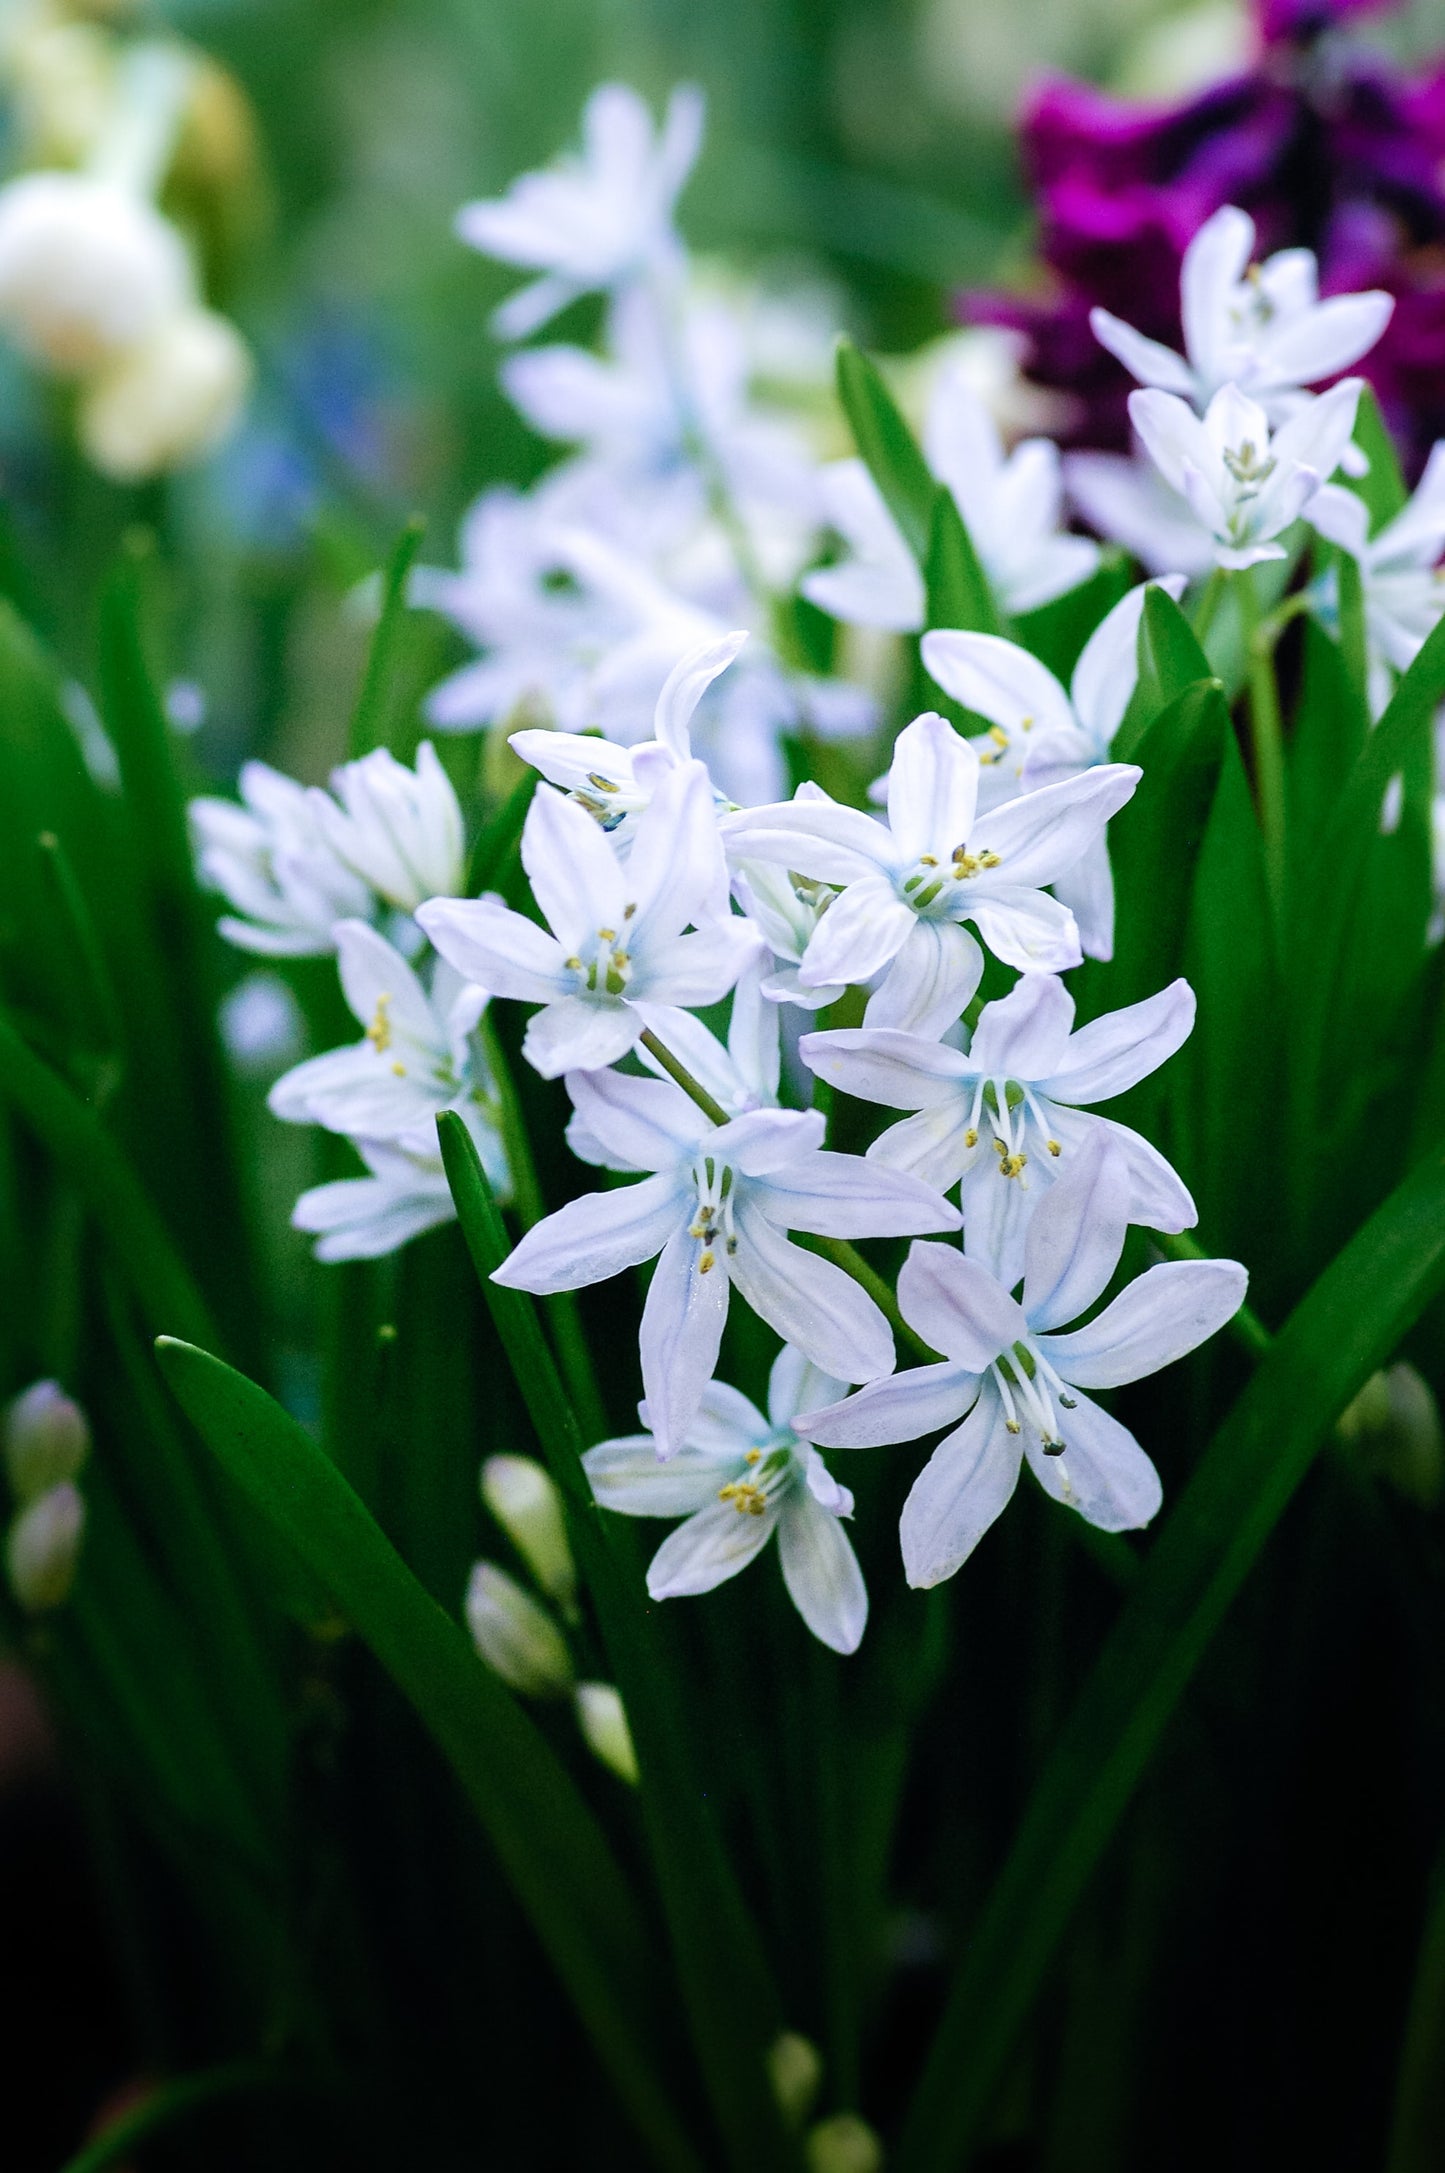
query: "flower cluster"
99, 287
684, 920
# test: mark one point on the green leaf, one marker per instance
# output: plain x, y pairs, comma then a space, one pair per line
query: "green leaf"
498, 838
734, 2008
1170, 661
1354, 653
550, 1845
958, 591
1383, 488
888, 447
1342, 1332
1057, 632
1330, 724
371, 720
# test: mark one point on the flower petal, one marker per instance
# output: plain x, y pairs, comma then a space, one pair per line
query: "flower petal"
811, 1303
685, 686
932, 788
964, 1486
682, 1325
795, 1384
864, 928
1076, 1234
821, 1572
1148, 361
1103, 1472
500, 950
1023, 1035
595, 1237
579, 1033
1165, 1313
675, 866
879, 1064
644, 1124
957, 1306
1087, 889
711, 1547
626, 1476
813, 834
1114, 1052
998, 680
575, 875
1108, 670
901, 1407
1027, 929
844, 1195
697, 969
1038, 836
931, 982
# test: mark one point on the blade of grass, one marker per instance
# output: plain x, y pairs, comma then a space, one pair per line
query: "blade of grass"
1344, 1329
889, 448
552, 1848
734, 2009
371, 718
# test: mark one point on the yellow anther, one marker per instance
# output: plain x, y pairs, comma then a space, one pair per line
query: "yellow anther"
603, 784
755, 1456
1011, 1165
998, 735
1026, 724
628, 911
988, 860
705, 1263
970, 1137
1054, 1147
747, 1499
379, 1031
608, 935
621, 958
575, 965
398, 1071
1011, 1425
927, 860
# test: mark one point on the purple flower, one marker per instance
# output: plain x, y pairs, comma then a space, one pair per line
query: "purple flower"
1325, 146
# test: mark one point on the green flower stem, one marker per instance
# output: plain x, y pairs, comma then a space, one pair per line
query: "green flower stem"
572, 1350
836, 1249
1266, 733
1208, 605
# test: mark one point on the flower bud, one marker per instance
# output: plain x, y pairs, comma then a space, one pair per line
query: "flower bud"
41, 1549
515, 1636
87, 269
168, 400
46, 1440
1393, 1428
602, 1717
795, 2070
529, 1509
844, 2144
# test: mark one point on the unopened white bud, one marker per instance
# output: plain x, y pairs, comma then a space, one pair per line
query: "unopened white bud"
41, 1549
529, 1509
46, 1439
1393, 1426
168, 400
844, 2144
515, 1636
86, 269
795, 2069
602, 1717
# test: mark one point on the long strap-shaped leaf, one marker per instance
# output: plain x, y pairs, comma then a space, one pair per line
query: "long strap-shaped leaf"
1342, 1331
731, 2002
551, 1846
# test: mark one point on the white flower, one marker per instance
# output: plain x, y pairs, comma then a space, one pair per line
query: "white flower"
1039, 734
617, 946
1244, 486
46, 1440
42, 1548
1018, 1375
909, 884
400, 830
612, 782
1260, 327
602, 1720
1011, 505
525, 1502
168, 400
786, 908
744, 1074
594, 221
87, 269
716, 1209
1400, 571
270, 861
416, 1057
404, 1194
1007, 1117
738, 1478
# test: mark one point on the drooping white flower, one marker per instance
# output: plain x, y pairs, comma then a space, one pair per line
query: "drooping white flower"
1244, 485
417, 1056
1006, 1120
596, 221
270, 861
717, 1208
617, 946
404, 1194
1015, 1374
1039, 734
738, 1478
1400, 570
1012, 506
87, 269
399, 829
1260, 327
515, 1635
167, 401
908, 885
613, 783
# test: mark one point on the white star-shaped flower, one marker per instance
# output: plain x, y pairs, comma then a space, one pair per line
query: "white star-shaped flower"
1400, 571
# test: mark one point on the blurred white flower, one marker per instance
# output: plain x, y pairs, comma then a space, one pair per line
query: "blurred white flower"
261, 1024
594, 221
399, 829
1400, 571
405, 1193
268, 859
515, 1636
524, 1501
738, 1479
46, 1440
87, 269
602, 1718
42, 1548
168, 400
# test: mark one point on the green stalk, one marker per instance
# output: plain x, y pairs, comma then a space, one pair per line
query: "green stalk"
1266, 734
171, 2106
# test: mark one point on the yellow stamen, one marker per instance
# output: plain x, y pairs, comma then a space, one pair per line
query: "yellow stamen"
747, 1499
379, 1031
